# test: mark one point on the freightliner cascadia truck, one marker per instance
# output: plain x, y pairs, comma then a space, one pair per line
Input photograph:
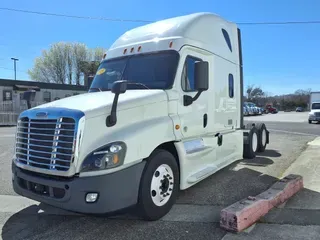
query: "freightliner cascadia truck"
163, 112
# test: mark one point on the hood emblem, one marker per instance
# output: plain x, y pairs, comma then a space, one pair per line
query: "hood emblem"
42, 114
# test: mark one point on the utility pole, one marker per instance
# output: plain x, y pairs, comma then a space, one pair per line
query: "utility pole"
15, 67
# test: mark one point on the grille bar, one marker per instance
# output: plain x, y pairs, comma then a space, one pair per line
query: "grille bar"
38, 122
42, 146
46, 143
44, 164
43, 140
42, 158
36, 151
45, 129
48, 135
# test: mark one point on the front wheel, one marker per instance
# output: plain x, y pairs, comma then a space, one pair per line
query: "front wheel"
159, 185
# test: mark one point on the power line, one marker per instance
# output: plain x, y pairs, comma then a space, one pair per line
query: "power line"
279, 23
147, 21
74, 16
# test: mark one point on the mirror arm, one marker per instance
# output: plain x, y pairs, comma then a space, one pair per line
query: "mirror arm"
28, 104
187, 100
112, 118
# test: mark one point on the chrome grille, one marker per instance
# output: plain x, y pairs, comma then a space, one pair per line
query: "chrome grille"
45, 143
317, 114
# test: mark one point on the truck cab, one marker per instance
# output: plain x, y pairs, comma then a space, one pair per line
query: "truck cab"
314, 114
164, 112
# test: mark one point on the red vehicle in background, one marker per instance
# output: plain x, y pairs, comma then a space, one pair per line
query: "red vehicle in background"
270, 109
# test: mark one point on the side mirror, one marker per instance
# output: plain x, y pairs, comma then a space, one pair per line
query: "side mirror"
201, 76
119, 87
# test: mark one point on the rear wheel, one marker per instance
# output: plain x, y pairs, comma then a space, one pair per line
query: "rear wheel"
251, 143
262, 137
159, 185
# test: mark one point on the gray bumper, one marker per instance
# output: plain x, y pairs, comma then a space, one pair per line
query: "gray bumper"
314, 118
117, 190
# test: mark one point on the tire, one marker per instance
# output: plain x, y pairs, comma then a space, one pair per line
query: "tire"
249, 151
262, 137
310, 121
159, 162
248, 126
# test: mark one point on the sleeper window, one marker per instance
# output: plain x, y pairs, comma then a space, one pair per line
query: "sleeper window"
231, 86
188, 81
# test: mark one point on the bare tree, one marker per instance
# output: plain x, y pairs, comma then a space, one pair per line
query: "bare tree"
65, 62
80, 53
254, 92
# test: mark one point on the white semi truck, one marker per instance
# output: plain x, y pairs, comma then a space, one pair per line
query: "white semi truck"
164, 111
314, 114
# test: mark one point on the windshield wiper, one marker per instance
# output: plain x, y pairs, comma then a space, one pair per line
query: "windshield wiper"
100, 90
140, 84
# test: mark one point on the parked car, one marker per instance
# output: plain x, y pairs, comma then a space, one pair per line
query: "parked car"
299, 109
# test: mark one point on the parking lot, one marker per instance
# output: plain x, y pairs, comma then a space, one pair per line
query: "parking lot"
295, 117
196, 213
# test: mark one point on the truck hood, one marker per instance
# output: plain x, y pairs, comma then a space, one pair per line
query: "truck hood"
99, 103
313, 111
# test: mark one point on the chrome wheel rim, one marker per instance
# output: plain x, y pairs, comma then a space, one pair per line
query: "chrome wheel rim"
162, 185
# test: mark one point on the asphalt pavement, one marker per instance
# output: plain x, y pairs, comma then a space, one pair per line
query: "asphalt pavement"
195, 216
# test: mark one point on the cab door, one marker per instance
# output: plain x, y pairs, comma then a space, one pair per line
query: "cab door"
195, 118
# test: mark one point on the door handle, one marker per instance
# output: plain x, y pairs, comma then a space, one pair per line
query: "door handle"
205, 120
220, 138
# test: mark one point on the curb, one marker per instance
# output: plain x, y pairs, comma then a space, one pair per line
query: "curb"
246, 212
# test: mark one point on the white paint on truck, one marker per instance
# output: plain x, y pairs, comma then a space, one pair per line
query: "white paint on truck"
314, 114
165, 107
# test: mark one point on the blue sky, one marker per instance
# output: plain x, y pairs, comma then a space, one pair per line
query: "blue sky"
279, 58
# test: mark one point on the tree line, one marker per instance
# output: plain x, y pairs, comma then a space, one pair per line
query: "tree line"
66, 63
285, 102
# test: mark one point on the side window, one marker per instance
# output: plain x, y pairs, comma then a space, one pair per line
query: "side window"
227, 38
188, 84
231, 86
7, 95
47, 96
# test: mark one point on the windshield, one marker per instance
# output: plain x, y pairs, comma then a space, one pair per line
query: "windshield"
315, 106
143, 71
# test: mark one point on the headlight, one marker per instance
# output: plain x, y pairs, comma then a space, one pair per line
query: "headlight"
106, 157
311, 114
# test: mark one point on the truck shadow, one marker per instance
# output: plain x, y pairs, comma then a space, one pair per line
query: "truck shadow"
221, 189
262, 159
270, 153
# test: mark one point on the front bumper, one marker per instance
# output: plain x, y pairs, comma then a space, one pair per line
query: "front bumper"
116, 190
314, 118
